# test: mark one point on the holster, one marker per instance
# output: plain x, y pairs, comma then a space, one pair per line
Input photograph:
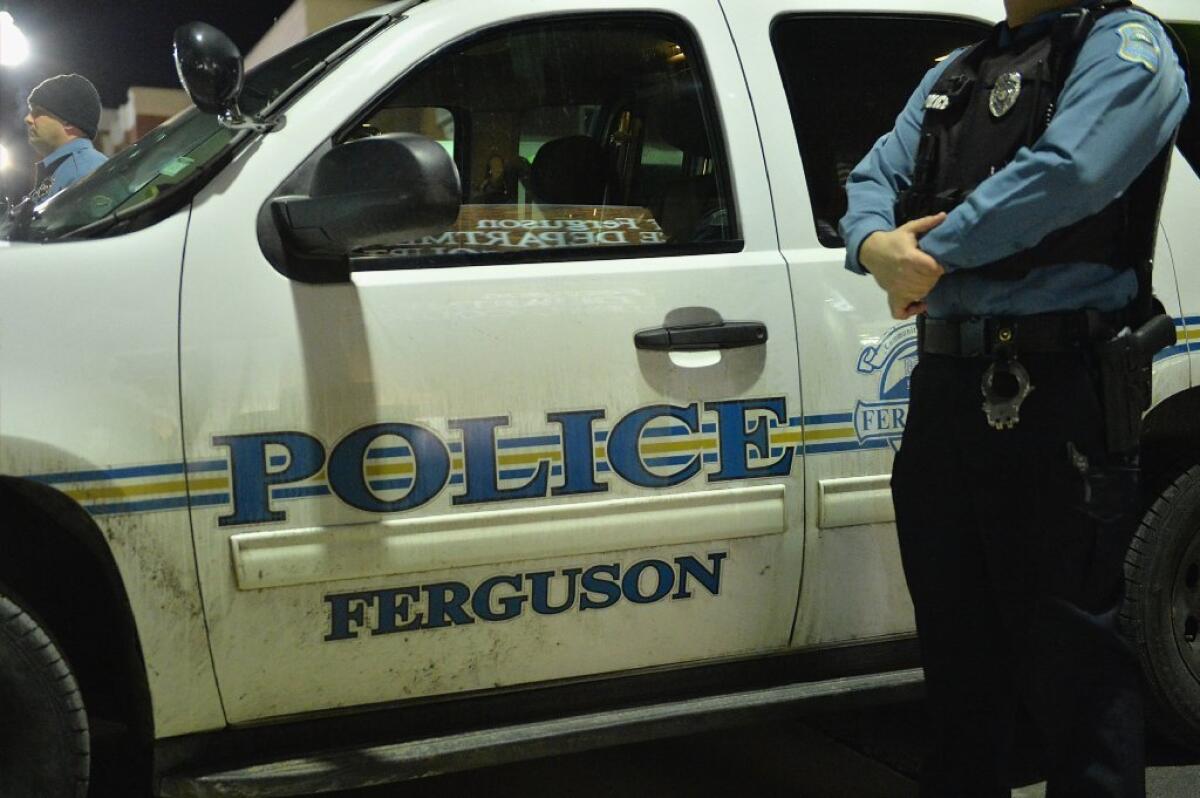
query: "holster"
1126, 380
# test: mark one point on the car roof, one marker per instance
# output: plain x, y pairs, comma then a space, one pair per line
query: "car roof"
1177, 10
387, 8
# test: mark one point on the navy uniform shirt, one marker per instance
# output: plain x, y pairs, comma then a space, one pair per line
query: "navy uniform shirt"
1120, 106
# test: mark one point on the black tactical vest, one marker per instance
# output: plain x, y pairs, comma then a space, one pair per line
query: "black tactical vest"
991, 102
43, 179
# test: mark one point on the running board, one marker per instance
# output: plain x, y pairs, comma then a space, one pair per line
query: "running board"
386, 764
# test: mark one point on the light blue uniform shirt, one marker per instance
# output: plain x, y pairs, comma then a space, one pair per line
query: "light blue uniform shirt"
1119, 107
82, 158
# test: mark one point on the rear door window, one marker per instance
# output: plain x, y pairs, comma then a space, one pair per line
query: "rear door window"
847, 79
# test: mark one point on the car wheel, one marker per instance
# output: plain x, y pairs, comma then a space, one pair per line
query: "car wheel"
44, 744
1161, 612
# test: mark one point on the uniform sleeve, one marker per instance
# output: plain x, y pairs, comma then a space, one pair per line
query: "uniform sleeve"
886, 171
1120, 106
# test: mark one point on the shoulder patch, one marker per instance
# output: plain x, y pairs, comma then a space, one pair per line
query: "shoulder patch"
1140, 46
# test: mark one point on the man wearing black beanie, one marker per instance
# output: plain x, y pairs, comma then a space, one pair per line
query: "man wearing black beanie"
64, 115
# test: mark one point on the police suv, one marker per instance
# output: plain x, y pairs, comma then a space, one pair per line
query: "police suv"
481, 379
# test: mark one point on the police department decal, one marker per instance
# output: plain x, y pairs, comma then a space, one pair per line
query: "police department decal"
1005, 94
393, 467
893, 360
506, 596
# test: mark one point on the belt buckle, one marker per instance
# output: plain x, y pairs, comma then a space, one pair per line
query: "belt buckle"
971, 337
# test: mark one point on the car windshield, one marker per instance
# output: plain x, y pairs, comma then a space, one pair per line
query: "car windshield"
176, 152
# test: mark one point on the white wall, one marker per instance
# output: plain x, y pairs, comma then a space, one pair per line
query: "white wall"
303, 18
291, 27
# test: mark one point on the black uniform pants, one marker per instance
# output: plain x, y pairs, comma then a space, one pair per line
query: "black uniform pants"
1015, 570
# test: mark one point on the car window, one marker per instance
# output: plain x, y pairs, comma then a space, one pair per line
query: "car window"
435, 123
1189, 133
571, 136
847, 79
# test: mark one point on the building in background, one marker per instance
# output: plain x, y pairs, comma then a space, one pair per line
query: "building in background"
145, 108
148, 107
302, 19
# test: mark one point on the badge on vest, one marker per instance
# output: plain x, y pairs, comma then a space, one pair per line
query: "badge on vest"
1005, 94
937, 102
1139, 46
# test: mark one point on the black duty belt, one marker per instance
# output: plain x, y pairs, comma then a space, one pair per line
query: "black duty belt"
984, 336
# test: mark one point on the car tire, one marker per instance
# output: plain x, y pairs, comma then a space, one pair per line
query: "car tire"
44, 742
1161, 609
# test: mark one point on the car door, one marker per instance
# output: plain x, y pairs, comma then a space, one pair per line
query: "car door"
459, 471
827, 81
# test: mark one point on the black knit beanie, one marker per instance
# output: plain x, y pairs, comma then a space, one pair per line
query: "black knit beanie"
71, 98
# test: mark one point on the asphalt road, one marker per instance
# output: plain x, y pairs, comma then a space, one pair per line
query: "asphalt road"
863, 754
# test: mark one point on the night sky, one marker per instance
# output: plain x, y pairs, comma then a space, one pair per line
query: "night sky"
115, 44
119, 43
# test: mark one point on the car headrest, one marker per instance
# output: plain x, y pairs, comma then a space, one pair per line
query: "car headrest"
570, 171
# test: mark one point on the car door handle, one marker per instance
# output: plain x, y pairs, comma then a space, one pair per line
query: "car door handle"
702, 337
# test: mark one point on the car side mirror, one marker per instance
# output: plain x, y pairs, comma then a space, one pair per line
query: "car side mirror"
370, 192
209, 66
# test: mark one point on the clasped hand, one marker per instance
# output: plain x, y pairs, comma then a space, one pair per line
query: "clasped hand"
901, 268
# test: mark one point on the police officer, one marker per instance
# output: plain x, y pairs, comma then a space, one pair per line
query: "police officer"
63, 118
1013, 211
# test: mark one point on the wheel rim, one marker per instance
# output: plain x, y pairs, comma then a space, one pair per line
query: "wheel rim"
1185, 608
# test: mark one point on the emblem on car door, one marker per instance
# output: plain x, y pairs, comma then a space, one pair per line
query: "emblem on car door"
893, 360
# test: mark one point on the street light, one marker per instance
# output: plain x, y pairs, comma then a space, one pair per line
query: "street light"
14, 47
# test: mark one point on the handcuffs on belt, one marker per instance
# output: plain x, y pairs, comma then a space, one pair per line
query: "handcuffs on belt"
1005, 386
1122, 354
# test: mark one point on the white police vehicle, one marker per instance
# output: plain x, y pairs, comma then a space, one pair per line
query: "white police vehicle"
490, 382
